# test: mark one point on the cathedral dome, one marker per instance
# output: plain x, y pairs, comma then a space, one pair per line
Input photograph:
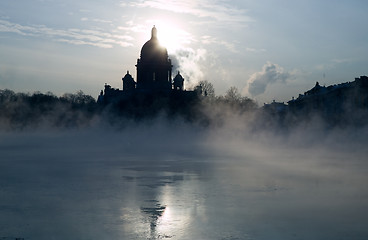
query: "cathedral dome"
152, 51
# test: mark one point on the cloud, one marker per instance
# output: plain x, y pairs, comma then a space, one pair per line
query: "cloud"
80, 42
271, 73
73, 36
213, 40
254, 50
203, 9
9, 27
341, 60
333, 63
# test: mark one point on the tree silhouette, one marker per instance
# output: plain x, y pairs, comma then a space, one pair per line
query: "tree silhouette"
233, 95
206, 88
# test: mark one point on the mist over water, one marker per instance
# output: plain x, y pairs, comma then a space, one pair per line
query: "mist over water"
164, 179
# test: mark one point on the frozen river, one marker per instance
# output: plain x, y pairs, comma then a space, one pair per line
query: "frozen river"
154, 184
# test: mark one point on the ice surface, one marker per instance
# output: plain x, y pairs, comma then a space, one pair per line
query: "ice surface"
152, 184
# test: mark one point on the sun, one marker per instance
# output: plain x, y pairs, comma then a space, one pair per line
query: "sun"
171, 36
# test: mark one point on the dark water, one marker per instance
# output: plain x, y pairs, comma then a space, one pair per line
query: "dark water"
147, 185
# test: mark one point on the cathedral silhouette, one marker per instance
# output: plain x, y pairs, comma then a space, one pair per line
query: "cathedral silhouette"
154, 76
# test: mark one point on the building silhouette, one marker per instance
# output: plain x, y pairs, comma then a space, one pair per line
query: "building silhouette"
333, 99
128, 82
339, 104
178, 82
154, 77
154, 66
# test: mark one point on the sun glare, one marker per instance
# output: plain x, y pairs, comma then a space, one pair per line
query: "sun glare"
171, 36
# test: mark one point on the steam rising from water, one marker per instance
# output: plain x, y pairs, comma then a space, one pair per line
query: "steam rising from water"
172, 180
271, 73
189, 61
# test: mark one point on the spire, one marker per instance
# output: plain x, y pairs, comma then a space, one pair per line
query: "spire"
154, 32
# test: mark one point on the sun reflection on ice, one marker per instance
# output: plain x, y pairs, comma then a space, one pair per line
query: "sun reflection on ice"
168, 207
177, 216
166, 216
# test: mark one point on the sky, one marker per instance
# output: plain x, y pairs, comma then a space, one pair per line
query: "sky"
270, 50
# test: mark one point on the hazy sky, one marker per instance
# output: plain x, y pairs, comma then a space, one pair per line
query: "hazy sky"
268, 49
